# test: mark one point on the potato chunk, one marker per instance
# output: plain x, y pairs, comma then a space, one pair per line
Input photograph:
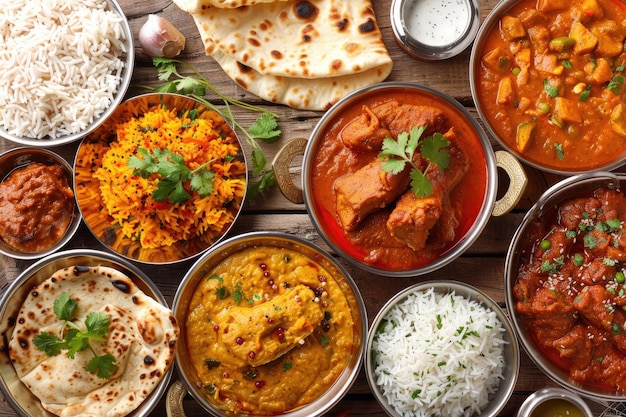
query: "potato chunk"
567, 110
512, 28
585, 41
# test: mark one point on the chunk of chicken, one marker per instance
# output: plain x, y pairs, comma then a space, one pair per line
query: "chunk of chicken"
413, 217
365, 191
367, 132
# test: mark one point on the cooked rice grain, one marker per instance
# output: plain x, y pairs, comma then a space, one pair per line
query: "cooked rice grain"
439, 355
60, 65
127, 198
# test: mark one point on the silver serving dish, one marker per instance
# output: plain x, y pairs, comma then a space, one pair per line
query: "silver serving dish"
128, 58
20, 157
14, 391
189, 382
434, 30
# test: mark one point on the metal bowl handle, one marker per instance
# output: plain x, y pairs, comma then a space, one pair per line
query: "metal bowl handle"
174, 401
280, 166
517, 185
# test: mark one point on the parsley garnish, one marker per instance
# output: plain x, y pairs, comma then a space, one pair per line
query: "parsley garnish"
174, 173
75, 339
397, 153
551, 90
615, 84
264, 128
558, 148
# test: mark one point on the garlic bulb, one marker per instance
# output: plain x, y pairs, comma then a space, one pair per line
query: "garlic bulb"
159, 38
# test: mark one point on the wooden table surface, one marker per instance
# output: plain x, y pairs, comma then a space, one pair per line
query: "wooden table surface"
482, 265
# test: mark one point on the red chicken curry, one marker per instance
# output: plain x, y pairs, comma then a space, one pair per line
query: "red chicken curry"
551, 82
374, 216
571, 290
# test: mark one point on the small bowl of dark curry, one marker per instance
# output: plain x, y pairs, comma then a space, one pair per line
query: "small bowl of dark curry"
400, 179
38, 212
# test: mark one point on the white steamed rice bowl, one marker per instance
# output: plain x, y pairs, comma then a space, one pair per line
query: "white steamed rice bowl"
60, 65
438, 355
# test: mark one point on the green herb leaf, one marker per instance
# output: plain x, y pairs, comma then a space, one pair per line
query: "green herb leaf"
615, 84
50, 344
174, 173
103, 366
202, 182
265, 128
64, 307
435, 149
550, 89
75, 339
97, 323
396, 154
558, 148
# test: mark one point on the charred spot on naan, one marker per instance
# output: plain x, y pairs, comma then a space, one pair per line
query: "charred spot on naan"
305, 10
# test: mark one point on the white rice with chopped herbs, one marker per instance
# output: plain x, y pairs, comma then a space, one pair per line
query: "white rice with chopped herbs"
438, 355
60, 65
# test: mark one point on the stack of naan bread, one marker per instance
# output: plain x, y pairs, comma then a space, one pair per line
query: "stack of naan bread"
305, 54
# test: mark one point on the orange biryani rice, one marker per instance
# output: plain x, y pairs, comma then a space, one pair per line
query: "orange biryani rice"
127, 198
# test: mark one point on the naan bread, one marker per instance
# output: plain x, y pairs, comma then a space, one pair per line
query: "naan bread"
305, 54
142, 337
195, 6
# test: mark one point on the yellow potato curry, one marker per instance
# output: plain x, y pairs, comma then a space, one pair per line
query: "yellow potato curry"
268, 330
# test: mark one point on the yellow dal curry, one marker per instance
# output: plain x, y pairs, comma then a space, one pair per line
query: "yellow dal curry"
268, 330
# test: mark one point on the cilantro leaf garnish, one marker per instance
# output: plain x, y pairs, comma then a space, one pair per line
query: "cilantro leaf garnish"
74, 339
264, 128
397, 153
173, 173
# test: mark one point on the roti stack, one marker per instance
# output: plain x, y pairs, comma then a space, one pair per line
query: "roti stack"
142, 337
304, 54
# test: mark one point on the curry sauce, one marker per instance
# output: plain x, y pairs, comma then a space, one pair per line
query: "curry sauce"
570, 289
550, 82
36, 207
268, 330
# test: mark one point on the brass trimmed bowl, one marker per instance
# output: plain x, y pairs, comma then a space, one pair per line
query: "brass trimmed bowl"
15, 392
128, 58
20, 157
511, 352
185, 230
370, 246
190, 382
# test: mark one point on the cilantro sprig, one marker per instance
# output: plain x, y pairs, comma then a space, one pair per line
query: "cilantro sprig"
264, 128
174, 174
74, 339
397, 153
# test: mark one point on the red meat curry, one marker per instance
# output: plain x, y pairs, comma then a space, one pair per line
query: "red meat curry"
372, 215
571, 290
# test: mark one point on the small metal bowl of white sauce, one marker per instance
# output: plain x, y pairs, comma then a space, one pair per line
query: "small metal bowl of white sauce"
432, 30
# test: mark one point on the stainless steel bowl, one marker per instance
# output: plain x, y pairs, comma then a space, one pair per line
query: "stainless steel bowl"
532, 405
511, 351
434, 30
494, 119
518, 254
15, 392
223, 250
325, 219
125, 79
20, 157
